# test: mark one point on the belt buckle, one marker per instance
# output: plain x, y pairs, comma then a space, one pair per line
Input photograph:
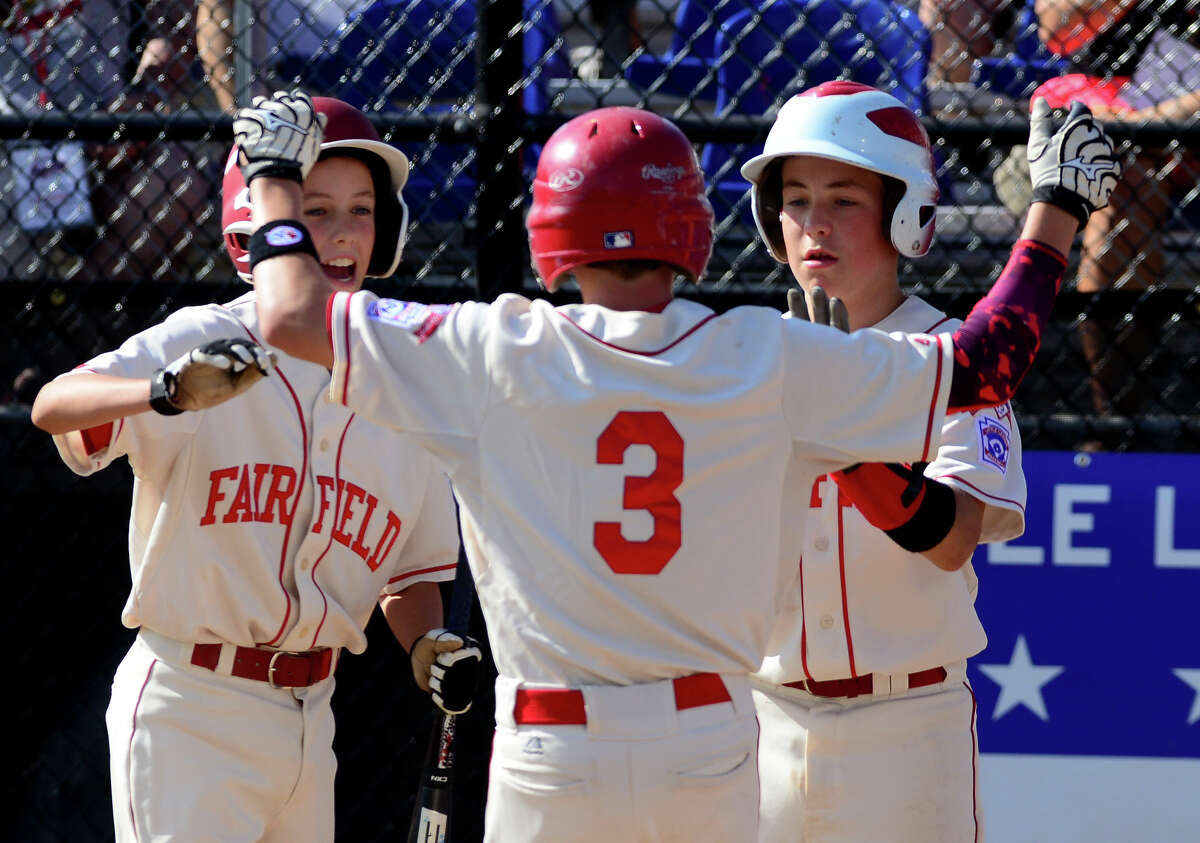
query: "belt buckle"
271, 670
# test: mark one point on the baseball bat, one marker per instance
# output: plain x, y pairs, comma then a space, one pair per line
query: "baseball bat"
432, 810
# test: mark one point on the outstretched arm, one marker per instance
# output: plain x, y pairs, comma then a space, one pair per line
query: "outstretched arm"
1074, 171
203, 377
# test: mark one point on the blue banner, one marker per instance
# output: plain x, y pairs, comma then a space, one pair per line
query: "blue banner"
1093, 616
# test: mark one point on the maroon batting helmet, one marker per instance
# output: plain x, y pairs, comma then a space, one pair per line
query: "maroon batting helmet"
347, 132
618, 184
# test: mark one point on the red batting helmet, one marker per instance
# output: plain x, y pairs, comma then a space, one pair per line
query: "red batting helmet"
618, 184
348, 132
859, 125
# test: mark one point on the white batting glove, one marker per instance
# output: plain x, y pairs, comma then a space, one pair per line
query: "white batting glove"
447, 666
209, 375
280, 136
1073, 167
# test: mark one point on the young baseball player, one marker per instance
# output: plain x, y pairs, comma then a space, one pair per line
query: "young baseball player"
616, 462
263, 530
863, 698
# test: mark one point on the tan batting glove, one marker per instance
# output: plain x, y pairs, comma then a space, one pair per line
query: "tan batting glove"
446, 666
209, 375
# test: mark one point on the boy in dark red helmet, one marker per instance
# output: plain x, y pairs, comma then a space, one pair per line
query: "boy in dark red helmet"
616, 462
263, 531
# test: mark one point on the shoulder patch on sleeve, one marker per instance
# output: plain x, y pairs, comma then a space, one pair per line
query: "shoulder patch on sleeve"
420, 319
993, 443
1004, 413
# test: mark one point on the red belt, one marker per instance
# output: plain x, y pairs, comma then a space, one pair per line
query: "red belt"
863, 685
563, 707
277, 668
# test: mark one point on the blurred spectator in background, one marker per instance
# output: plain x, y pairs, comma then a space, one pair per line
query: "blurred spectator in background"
107, 211
617, 35
280, 27
961, 31
1138, 62
151, 198
62, 55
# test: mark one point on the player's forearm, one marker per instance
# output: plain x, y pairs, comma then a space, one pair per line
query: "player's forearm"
956, 549
413, 612
291, 290
86, 400
995, 346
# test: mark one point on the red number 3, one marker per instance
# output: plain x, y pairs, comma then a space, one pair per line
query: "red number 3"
655, 493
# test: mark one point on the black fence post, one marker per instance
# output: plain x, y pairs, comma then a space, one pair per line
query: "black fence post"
501, 252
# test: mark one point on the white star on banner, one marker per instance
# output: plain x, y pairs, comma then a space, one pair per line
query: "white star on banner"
1021, 681
1192, 677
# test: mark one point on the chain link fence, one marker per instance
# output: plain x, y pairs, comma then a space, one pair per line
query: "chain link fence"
114, 128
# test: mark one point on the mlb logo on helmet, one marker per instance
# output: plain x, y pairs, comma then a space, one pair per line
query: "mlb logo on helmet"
618, 239
993, 443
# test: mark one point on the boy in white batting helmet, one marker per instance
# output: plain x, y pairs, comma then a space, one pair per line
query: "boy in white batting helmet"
616, 462
863, 698
263, 530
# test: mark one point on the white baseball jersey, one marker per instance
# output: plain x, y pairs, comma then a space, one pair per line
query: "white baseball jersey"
278, 518
861, 603
619, 472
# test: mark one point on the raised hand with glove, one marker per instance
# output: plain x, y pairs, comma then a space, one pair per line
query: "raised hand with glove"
447, 667
279, 137
1072, 167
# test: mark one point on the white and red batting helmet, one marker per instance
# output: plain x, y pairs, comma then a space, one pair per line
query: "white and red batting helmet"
858, 125
348, 132
618, 184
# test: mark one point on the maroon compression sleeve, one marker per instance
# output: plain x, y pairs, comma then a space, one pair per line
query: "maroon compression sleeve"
995, 346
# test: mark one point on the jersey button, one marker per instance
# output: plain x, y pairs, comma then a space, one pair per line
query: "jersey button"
826, 621
324, 446
305, 562
821, 544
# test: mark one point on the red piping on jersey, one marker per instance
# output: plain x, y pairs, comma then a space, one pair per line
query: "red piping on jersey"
287, 530
974, 758
979, 491
933, 327
803, 626
418, 573
337, 509
934, 401
132, 731
665, 348
837, 502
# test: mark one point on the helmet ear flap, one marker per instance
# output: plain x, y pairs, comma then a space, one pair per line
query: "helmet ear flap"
767, 207
912, 217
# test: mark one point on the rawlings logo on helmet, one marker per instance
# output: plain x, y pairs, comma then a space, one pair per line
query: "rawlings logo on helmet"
668, 173
565, 180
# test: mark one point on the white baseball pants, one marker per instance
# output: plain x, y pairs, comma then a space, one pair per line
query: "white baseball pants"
902, 769
639, 770
196, 756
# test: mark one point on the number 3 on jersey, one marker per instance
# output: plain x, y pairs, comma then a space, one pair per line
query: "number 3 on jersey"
655, 493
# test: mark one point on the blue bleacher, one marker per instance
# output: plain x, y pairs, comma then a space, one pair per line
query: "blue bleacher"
1026, 66
418, 56
768, 55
